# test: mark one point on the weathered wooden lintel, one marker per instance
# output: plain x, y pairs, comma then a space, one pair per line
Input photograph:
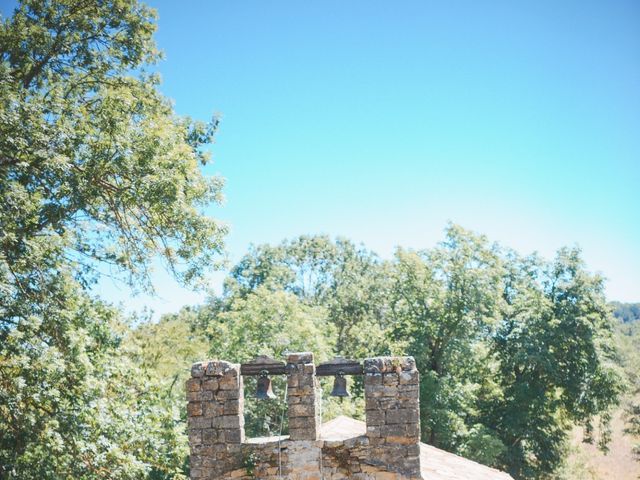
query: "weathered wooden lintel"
275, 367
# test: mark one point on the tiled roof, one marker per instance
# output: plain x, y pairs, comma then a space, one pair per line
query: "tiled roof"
436, 464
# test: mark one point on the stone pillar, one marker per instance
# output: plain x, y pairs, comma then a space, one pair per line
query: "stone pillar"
215, 416
391, 387
304, 423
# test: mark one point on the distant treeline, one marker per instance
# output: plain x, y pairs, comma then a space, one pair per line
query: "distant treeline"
626, 312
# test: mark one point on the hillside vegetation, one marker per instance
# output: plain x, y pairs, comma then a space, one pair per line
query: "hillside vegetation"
621, 460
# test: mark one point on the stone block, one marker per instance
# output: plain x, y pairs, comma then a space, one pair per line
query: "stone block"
229, 382
198, 422
194, 409
390, 378
300, 357
299, 422
375, 417
373, 379
193, 385
200, 396
402, 415
394, 430
218, 368
228, 394
213, 409
210, 384
195, 436
389, 364
210, 436
411, 377
233, 407
198, 369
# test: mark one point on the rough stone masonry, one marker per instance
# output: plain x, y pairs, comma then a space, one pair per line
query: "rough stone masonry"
389, 450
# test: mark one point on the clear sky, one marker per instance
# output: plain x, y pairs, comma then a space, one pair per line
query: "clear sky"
382, 121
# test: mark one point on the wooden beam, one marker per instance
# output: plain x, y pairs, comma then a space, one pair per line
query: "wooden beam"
337, 365
263, 363
274, 367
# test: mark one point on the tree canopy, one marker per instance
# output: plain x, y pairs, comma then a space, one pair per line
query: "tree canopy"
93, 159
628, 339
98, 176
513, 351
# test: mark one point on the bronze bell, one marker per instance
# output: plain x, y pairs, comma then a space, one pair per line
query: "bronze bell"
264, 391
340, 386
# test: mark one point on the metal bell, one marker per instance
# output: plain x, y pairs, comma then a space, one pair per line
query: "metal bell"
340, 386
264, 391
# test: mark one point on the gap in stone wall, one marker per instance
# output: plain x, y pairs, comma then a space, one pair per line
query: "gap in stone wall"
263, 417
352, 406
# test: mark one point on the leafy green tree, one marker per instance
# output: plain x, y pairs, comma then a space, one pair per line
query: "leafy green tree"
74, 405
627, 340
271, 323
97, 174
444, 308
166, 349
513, 351
344, 279
555, 358
633, 425
90, 152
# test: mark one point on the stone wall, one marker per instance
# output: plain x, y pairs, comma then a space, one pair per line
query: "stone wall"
302, 387
391, 390
215, 417
388, 451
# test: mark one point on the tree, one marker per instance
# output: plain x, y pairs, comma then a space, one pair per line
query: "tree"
93, 155
444, 306
513, 351
628, 339
555, 356
346, 280
633, 425
271, 323
268, 323
95, 171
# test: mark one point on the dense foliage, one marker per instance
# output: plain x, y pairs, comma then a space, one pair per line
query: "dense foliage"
97, 175
628, 341
513, 350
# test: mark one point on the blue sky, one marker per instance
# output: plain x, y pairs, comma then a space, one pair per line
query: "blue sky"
382, 121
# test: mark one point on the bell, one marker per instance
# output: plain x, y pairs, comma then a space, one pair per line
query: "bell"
340, 386
264, 392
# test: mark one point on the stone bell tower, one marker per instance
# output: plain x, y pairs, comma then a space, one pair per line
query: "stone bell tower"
387, 449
